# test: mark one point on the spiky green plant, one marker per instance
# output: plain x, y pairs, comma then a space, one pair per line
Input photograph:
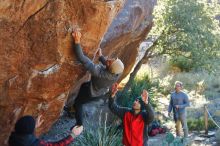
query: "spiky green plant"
100, 134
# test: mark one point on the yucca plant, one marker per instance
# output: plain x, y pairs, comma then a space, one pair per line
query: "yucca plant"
100, 134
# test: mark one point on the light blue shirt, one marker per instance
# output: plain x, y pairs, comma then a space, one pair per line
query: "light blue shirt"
181, 99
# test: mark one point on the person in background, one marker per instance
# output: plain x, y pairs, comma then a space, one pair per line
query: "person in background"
178, 103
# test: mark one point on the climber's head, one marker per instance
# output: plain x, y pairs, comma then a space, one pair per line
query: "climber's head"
115, 65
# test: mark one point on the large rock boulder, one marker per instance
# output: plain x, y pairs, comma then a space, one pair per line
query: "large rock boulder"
38, 69
128, 29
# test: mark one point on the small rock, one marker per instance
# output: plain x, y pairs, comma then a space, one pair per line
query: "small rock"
199, 138
217, 135
214, 143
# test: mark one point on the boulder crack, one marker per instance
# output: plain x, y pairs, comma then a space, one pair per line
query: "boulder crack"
31, 16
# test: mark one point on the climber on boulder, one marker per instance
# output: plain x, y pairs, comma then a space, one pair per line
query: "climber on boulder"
23, 134
102, 77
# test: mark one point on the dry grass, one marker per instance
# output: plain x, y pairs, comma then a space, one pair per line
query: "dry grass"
201, 87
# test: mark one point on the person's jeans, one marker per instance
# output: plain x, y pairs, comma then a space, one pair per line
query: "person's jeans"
181, 120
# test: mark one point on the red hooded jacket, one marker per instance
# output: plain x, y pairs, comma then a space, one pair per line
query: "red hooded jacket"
134, 125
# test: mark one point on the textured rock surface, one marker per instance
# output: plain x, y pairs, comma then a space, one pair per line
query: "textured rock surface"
128, 29
37, 65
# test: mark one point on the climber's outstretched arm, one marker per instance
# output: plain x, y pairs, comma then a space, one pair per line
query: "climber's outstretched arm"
88, 64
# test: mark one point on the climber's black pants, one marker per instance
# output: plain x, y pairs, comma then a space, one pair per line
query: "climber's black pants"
83, 97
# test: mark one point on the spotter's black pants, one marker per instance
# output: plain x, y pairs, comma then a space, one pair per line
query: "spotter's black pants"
83, 97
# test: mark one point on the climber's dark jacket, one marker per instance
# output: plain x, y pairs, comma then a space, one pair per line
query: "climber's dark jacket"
101, 77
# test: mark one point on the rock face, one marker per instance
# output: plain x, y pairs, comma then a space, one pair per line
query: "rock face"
128, 29
38, 68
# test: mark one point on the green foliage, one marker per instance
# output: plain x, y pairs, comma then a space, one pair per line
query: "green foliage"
101, 135
181, 62
169, 137
187, 28
137, 86
204, 83
199, 124
172, 141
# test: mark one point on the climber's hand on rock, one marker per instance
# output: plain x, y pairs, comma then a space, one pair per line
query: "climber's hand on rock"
99, 52
77, 36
